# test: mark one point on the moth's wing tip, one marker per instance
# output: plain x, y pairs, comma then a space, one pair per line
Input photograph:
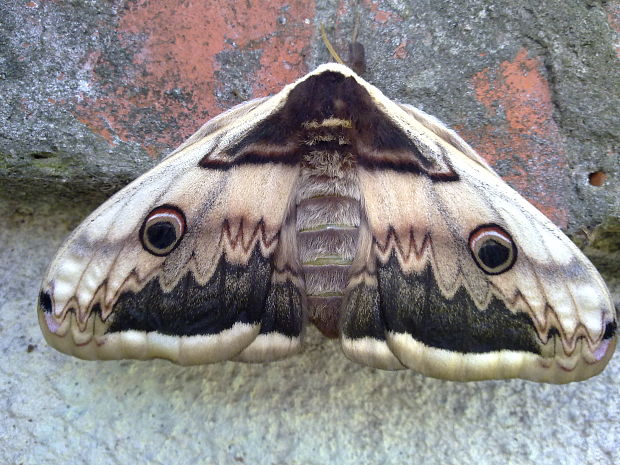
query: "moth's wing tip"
402, 351
242, 342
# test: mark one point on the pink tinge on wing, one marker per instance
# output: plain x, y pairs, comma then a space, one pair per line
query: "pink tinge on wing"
52, 324
601, 350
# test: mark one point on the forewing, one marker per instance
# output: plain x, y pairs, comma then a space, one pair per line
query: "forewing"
419, 299
227, 289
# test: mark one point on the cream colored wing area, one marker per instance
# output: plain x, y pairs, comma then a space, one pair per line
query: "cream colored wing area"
500, 364
141, 345
233, 219
548, 317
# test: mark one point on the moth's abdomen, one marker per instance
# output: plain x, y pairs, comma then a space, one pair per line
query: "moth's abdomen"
327, 245
328, 220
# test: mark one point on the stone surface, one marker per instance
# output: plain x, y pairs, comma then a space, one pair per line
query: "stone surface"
93, 92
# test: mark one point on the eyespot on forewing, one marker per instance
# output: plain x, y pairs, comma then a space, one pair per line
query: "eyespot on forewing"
492, 248
162, 230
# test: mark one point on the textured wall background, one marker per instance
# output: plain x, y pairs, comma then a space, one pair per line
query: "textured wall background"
92, 93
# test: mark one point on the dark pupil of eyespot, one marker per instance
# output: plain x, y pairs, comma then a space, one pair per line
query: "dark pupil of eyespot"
46, 302
493, 254
161, 235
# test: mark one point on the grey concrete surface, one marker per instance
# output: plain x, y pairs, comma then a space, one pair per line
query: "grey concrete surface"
315, 408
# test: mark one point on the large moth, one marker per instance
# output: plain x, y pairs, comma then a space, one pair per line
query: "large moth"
331, 204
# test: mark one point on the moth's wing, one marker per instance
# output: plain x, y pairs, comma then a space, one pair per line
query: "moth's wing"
418, 299
227, 288
236, 113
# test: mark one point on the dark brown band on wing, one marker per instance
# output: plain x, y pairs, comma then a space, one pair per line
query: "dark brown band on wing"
361, 316
283, 310
372, 138
413, 304
234, 294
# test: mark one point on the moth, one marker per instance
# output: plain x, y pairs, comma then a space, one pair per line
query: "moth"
329, 204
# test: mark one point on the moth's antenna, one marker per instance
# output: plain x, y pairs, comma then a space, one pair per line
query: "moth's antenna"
356, 28
357, 56
329, 47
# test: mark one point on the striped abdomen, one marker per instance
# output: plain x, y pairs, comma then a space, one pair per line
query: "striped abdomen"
328, 220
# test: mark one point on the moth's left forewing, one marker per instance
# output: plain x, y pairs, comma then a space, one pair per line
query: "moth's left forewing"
220, 291
547, 317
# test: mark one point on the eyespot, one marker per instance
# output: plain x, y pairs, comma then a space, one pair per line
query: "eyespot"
492, 248
162, 230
